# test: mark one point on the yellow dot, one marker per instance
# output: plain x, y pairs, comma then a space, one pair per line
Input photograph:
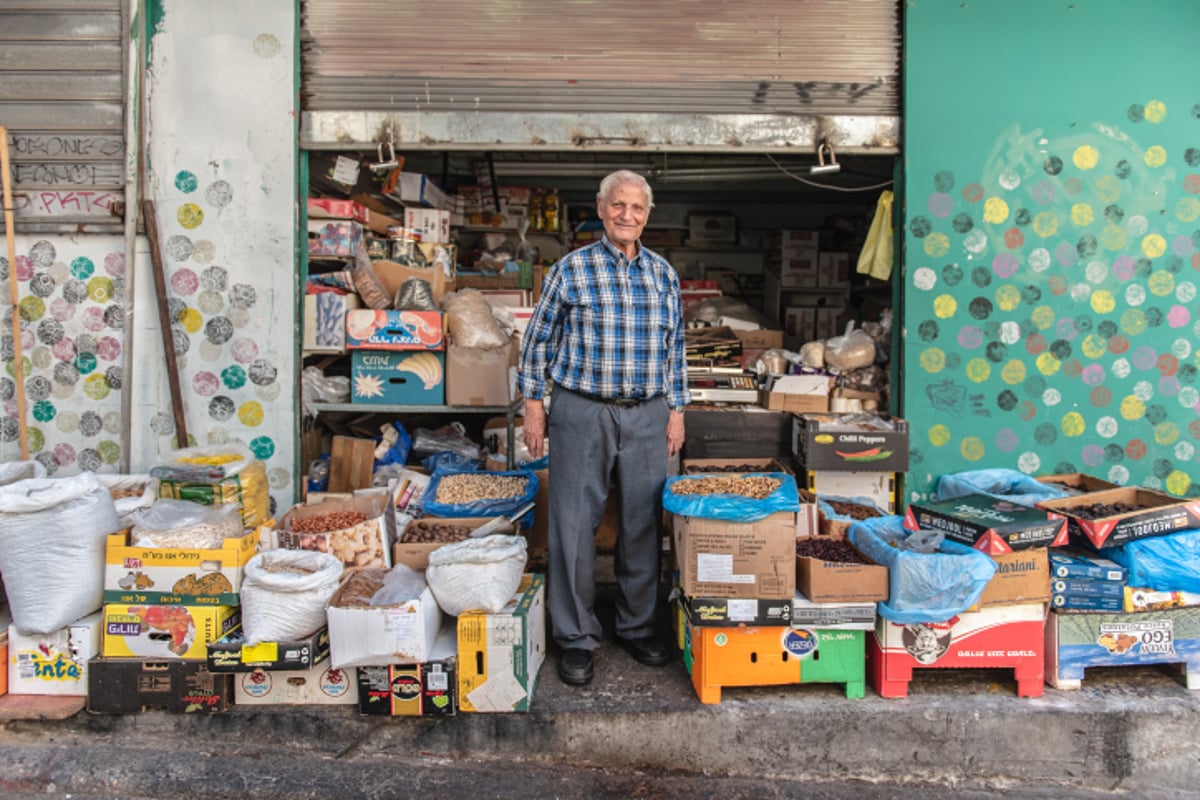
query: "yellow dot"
1042, 317
1073, 424
1013, 372
933, 359
1178, 483
1008, 297
32, 308
1133, 321
937, 245
96, 386
191, 319
1188, 209
100, 289
1048, 363
1108, 189
972, 448
251, 413
1113, 237
1156, 156
1161, 283
995, 210
1081, 214
190, 215
1045, 224
1132, 408
1166, 433
1086, 157
1155, 111
978, 370
1154, 245
1103, 302
944, 306
1094, 346
939, 435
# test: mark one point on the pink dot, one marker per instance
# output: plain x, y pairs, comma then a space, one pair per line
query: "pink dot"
1066, 254
1007, 440
114, 264
940, 204
1123, 268
1042, 193
61, 310
1145, 358
970, 337
10, 407
184, 282
64, 454
108, 348
28, 339
205, 384
93, 318
1182, 246
1178, 316
64, 349
1067, 329
1093, 375
24, 268
1004, 265
244, 350
1093, 455
1168, 386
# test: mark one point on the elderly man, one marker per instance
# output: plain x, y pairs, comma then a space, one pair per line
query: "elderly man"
608, 332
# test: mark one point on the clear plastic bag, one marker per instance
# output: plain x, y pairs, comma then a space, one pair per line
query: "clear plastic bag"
853, 350
317, 387
449, 438
402, 583
184, 524
470, 320
732, 507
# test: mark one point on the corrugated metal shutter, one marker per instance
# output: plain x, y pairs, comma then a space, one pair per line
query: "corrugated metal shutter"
62, 95
577, 70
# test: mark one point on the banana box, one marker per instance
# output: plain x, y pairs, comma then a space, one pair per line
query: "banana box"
165, 632
398, 378
176, 575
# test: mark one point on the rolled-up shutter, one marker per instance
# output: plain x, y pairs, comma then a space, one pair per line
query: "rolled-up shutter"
62, 100
755, 75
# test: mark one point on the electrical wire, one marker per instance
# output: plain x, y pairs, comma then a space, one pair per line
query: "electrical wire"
817, 185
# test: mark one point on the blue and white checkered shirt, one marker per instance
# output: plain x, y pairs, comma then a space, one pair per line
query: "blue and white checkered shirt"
608, 326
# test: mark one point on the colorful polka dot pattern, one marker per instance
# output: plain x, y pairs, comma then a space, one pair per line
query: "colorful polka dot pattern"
1052, 307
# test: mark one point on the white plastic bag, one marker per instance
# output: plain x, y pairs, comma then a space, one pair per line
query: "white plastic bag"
130, 494
284, 594
52, 536
13, 471
476, 574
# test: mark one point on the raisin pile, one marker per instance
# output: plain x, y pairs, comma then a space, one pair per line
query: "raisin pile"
852, 510
1102, 510
826, 549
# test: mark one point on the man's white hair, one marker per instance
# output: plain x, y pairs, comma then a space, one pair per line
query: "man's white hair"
615, 179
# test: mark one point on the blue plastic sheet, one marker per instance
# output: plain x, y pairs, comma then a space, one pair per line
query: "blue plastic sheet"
732, 507
922, 587
480, 508
1168, 563
1005, 484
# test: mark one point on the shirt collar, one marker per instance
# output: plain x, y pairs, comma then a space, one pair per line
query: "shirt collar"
618, 255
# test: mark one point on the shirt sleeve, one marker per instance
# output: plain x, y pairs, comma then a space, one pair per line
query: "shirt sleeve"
542, 335
675, 375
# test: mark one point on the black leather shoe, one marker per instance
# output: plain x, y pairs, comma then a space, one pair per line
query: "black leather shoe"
575, 666
646, 649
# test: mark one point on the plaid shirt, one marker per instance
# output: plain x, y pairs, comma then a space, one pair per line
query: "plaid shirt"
608, 326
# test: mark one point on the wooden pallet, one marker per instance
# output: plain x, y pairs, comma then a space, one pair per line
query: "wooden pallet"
40, 707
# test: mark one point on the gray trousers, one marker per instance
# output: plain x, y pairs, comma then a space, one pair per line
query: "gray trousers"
590, 442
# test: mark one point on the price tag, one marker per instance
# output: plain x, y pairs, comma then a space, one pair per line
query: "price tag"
345, 170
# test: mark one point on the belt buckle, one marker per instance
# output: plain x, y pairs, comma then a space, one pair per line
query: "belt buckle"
627, 402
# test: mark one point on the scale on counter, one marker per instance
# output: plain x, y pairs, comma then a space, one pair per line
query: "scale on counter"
722, 385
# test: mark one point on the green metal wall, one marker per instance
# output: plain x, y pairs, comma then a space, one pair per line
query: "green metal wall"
1051, 235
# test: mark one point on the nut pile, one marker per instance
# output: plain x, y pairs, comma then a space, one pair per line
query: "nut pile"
852, 510
1102, 510
774, 466
426, 532
756, 487
826, 549
324, 523
467, 487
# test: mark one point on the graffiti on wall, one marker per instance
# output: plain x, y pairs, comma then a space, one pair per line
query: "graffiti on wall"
1052, 306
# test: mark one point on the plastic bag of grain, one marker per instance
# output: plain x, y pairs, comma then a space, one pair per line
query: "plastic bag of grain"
52, 536
223, 474
284, 593
13, 471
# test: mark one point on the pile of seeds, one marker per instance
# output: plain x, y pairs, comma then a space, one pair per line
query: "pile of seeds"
755, 487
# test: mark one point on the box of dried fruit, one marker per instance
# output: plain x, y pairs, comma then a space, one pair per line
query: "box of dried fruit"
354, 530
1114, 516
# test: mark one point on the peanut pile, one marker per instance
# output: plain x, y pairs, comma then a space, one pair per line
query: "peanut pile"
756, 487
324, 523
421, 532
468, 487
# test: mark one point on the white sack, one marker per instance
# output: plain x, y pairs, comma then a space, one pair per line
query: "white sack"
13, 471
284, 594
476, 574
52, 536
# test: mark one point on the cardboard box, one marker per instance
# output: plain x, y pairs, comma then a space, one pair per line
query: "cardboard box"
499, 654
1141, 599
176, 575
165, 632
712, 229
1077, 482
840, 582
1082, 587
796, 394
833, 270
368, 329
987, 523
415, 555
830, 322
392, 275
717, 558
405, 690
733, 611
877, 487
837, 525
1075, 642
325, 321
1021, 577
321, 685
333, 238
692, 466
53, 663
432, 225
413, 188
382, 635
1070, 563
131, 685
1156, 514
832, 616
830, 442
230, 653
1079, 602
800, 324
799, 271
761, 338
332, 208
363, 545
479, 377
406, 379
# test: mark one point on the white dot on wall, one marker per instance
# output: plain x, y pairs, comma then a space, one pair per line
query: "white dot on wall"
266, 45
41, 357
1188, 397
61, 391
1185, 292
1010, 332
1009, 179
1096, 272
1051, 397
1029, 463
1143, 390
278, 477
924, 278
1080, 292
1181, 348
1119, 475
1120, 368
268, 393
60, 272
209, 351
1151, 482
1137, 225
203, 251
1184, 451
1107, 427
1135, 295
975, 241
1039, 260
217, 435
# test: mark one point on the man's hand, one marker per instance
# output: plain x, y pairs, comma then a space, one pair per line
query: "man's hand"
535, 427
674, 432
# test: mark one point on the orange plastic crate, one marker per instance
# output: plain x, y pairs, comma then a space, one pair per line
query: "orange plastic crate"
742, 657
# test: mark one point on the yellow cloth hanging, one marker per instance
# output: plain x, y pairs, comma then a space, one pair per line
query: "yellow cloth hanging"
876, 256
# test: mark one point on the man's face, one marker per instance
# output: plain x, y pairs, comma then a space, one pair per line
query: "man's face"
624, 214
